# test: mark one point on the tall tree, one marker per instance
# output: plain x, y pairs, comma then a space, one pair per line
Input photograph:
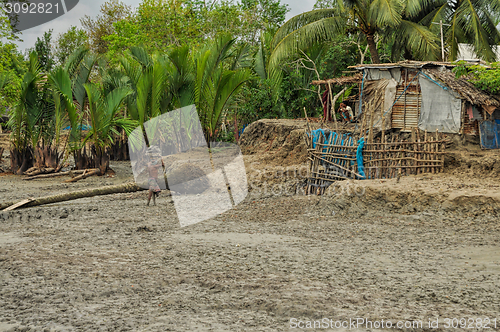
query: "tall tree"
470, 21
68, 42
43, 48
98, 28
369, 17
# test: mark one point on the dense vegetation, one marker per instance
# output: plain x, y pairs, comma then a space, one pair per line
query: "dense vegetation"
237, 62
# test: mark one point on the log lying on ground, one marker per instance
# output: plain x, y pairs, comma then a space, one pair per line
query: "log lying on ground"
85, 175
53, 175
36, 171
108, 190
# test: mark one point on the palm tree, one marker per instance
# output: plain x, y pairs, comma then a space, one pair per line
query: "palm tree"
94, 104
470, 21
219, 75
369, 17
105, 122
36, 121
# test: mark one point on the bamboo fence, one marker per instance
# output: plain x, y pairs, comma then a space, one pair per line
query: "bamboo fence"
383, 158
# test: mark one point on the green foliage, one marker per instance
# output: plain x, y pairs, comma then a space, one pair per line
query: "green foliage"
100, 27
43, 49
69, 42
484, 78
12, 66
161, 25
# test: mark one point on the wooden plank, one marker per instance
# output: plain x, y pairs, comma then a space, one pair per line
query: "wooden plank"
17, 205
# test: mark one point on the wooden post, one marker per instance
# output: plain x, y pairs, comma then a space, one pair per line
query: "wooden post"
426, 170
413, 147
370, 135
436, 149
443, 147
332, 108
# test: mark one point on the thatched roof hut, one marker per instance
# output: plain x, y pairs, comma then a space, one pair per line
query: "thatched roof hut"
425, 95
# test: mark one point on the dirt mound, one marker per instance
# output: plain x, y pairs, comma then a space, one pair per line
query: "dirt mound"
474, 163
439, 194
187, 179
280, 142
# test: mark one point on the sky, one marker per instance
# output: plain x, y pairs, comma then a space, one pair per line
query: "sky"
91, 8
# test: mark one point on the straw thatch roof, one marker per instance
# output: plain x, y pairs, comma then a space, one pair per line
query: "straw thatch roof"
464, 88
344, 80
404, 64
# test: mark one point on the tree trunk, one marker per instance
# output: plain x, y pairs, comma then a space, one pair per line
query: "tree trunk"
92, 172
20, 160
53, 175
108, 190
373, 48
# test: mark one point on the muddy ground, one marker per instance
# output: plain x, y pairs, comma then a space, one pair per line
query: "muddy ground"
424, 248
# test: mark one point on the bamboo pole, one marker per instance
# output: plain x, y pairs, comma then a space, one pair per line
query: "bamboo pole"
404, 150
436, 147
426, 149
419, 170
443, 147
85, 175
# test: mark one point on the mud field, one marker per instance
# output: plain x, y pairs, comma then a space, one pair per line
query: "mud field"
425, 248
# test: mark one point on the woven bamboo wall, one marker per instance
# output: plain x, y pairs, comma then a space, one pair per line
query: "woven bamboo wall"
383, 158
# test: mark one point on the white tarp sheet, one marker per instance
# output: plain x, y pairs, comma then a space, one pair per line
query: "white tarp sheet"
440, 109
377, 74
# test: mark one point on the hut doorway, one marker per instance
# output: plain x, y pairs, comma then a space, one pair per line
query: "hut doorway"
406, 111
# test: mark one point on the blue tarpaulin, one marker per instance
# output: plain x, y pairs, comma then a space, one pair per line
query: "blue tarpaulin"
316, 134
84, 127
490, 134
359, 157
345, 139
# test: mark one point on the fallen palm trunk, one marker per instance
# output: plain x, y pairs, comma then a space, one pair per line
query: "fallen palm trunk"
53, 175
108, 190
85, 175
33, 171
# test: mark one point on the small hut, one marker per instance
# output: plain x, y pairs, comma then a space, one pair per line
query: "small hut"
424, 95
329, 99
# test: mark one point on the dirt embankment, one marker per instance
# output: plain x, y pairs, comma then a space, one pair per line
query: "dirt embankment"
278, 142
276, 158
